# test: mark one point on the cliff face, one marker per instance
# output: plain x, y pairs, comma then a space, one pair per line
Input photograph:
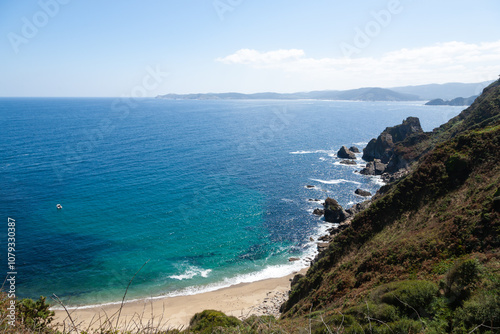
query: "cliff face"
384, 147
433, 226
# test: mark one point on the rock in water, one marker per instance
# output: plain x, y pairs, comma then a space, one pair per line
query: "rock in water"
354, 149
348, 162
345, 153
334, 213
362, 192
318, 212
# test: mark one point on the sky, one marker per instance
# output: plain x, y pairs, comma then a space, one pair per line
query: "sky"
76, 48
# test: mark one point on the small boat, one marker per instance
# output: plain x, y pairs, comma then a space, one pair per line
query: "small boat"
59, 206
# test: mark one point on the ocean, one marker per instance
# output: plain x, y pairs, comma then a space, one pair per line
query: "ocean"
208, 193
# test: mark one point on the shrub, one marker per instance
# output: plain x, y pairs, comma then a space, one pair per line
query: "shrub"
406, 326
457, 167
382, 312
410, 297
260, 324
482, 309
208, 320
35, 314
460, 280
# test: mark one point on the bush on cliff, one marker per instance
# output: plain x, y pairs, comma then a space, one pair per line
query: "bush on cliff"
209, 320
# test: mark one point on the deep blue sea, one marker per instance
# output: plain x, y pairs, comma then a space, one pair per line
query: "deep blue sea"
211, 193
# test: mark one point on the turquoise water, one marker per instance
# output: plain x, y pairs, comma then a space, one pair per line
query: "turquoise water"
211, 193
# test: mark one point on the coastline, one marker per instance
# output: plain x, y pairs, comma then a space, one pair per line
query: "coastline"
259, 297
242, 300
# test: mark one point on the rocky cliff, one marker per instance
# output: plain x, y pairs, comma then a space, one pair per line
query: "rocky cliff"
424, 256
384, 147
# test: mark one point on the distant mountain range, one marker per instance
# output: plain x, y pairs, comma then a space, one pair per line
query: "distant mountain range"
360, 94
407, 93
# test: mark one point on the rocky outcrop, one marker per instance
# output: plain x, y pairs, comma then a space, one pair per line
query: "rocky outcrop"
382, 147
358, 207
354, 149
348, 162
362, 192
391, 177
322, 246
334, 213
375, 167
345, 153
318, 212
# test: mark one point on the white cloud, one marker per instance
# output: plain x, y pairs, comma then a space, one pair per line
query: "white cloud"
249, 57
443, 62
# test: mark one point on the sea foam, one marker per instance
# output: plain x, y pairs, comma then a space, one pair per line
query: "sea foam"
336, 181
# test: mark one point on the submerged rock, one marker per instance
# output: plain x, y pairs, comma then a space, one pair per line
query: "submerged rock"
345, 153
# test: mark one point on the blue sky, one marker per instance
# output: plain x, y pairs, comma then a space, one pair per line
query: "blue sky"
116, 48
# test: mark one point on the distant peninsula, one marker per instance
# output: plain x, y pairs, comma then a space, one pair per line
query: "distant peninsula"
406, 93
458, 101
360, 94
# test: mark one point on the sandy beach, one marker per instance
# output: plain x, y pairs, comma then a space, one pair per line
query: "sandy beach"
242, 300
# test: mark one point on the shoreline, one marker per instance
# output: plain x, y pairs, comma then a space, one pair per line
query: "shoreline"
241, 300
259, 297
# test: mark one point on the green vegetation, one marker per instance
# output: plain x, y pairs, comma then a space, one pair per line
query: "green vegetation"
209, 321
30, 316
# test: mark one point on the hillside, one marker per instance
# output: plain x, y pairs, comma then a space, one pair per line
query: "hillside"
424, 256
